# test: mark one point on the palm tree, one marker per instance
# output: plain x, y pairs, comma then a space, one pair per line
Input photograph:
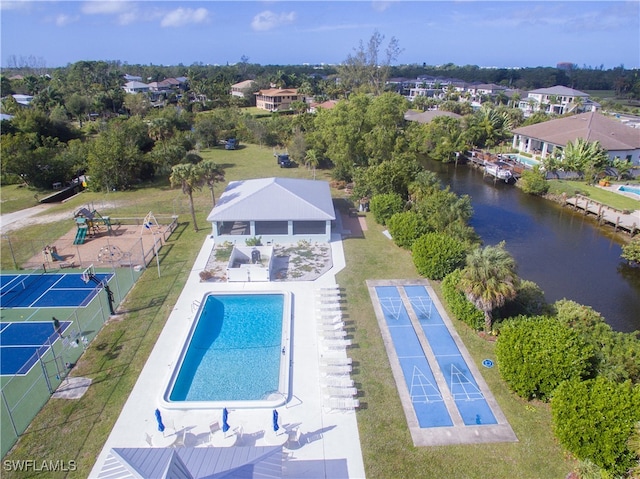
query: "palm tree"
587, 157
489, 280
212, 173
312, 161
190, 178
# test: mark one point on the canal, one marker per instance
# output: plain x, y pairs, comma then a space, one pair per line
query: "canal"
563, 252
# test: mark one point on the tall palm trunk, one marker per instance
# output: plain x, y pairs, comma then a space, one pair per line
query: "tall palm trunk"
193, 212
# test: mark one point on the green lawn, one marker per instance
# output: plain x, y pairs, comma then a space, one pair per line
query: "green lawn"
609, 198
76, 430
18, 197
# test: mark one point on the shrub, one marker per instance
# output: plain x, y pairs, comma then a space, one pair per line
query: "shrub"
534, 182
536, 354
594, 419
406, 227
631, 251
385, 206
617, 354
437, 254
255, 241
460, 306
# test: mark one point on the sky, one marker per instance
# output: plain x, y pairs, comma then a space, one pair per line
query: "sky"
488, 34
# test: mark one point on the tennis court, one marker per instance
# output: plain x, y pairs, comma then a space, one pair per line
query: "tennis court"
50, 290
21, 344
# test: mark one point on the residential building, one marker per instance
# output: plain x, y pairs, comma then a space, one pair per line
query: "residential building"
241, 88
557, 100
135, 87
543, 139
275, 99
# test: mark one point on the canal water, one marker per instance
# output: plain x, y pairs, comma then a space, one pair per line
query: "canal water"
562, 251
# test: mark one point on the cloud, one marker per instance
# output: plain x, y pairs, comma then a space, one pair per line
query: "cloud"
106, 8
17, 5
126, 12
269, 20
64, 20
381, 6
185, 16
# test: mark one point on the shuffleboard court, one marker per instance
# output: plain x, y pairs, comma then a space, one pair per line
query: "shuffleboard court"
48, 290
444, 396
22, 343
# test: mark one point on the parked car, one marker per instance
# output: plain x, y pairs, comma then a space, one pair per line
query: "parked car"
231, 144
284, 161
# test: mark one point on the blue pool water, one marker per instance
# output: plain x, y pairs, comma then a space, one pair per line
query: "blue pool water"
234, 352
630, 189
523, 159
426, 396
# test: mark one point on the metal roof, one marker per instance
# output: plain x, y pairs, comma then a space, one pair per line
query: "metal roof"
275, 199
193, 463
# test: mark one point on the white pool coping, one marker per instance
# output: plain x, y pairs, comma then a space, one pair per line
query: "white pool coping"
331, 444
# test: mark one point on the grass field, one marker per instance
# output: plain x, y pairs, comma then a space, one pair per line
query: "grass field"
76, 430
614, 200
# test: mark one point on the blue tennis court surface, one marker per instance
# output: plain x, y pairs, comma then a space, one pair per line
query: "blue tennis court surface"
444, 392
47, 290
22, 343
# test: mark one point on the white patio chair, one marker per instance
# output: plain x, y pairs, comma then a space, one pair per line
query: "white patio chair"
337, 381
294, 437
181, 438
213, 427
148, 439
340, 392
332, 334
332, 326
341, 403
335, 370
335, 361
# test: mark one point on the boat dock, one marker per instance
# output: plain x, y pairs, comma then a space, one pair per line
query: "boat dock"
498, 166
619, 219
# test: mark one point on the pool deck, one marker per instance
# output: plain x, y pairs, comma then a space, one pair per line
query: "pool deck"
459, 433
330, 443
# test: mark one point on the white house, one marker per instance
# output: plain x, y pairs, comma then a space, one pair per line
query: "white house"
135, 87
618, 139
240, 89
557, 100
283, 210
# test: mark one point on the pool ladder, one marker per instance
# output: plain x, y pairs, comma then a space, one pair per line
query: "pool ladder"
195, 305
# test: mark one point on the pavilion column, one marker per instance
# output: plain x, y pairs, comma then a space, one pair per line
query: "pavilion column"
252, 228
290, 228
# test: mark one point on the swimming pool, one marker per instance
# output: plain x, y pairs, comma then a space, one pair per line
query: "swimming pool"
525, 160
630, 189
237, 354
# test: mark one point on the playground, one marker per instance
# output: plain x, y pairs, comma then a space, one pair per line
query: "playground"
102, 241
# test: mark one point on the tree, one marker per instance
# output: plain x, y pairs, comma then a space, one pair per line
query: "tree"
367, 69
190, 178
586, 157
78, 106
535, 354
212, 173
312, 160
489, 279
435, 255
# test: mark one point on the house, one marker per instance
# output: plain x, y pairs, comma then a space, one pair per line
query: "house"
275, 209
557, 100
135, 87
275, 99
241, 88
326, 105
618, 139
